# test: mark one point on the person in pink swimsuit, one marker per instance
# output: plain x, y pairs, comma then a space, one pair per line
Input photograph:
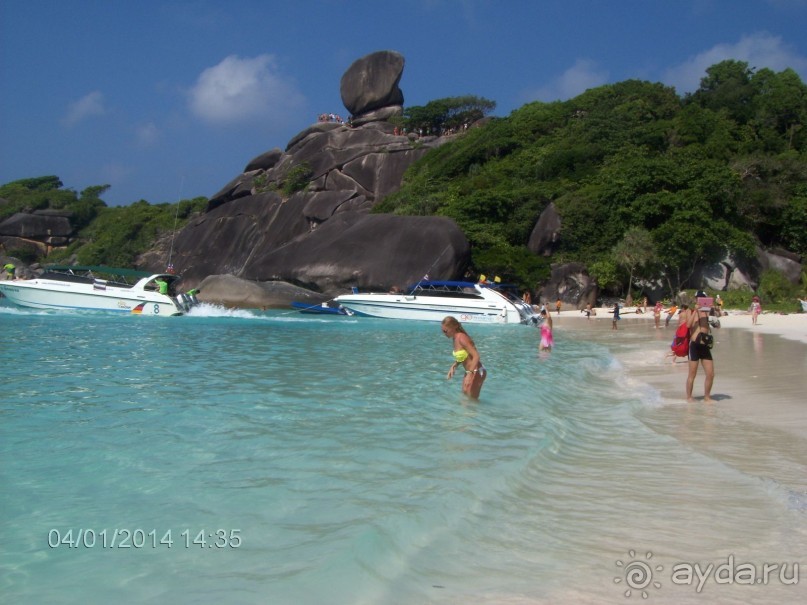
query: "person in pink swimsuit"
547, 341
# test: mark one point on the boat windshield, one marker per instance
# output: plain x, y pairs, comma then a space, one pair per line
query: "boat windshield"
452, 289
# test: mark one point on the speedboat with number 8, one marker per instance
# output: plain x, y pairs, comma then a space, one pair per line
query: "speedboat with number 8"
100, 288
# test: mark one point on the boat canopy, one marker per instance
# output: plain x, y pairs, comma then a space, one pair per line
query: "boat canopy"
459, 285
103, 269
442, 284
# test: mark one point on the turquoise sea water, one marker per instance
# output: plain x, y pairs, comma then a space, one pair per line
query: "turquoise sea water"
328, 460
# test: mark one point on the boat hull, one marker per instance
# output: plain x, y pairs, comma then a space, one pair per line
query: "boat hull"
426, 309
53, 294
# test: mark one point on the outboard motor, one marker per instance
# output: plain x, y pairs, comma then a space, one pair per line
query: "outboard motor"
185, 302
528, 315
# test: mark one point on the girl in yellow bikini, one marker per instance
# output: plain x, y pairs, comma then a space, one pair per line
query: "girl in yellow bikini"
465, 353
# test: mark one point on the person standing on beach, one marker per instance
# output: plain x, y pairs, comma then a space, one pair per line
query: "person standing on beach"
657, 314
616, 316
465, 353
700, 352
558, 305
756, 309
670, 314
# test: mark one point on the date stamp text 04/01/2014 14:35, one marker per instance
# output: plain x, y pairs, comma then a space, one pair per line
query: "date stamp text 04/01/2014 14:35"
141, 538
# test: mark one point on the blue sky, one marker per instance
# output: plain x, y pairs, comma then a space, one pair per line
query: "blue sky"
169, 100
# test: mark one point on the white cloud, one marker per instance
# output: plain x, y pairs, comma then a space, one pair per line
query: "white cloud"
581, 76
147, 134
87, 106
758, 50
239, 90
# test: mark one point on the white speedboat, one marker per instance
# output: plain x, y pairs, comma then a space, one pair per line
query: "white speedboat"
98, 288
433, 300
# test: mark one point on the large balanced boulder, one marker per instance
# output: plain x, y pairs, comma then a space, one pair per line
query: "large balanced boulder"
371, 83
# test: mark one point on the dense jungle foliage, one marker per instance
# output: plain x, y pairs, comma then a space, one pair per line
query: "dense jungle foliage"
106, 235
647, 184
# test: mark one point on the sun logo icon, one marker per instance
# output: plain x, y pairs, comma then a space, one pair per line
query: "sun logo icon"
638, 574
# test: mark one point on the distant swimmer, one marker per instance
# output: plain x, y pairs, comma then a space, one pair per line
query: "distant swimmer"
465, 354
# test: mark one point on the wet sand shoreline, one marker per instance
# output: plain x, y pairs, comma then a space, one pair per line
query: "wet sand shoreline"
758, 420
760, 371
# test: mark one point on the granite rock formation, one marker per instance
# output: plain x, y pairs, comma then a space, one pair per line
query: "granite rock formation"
36, 232
370, 86
546, 233
571, 283
302, 215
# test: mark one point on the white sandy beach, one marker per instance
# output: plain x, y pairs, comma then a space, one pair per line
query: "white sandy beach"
757, 424
792, 325
760, 370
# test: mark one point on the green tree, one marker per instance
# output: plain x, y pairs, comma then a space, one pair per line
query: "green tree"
634, 251
121, 233
448, 113
297, 178
794, 225
780, 109
774, 287
727, 86
27, 195
604, 270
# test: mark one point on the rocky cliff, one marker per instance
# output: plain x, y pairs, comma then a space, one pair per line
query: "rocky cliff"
322, 236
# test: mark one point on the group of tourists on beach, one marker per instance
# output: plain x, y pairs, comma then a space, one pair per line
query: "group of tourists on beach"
693, 340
